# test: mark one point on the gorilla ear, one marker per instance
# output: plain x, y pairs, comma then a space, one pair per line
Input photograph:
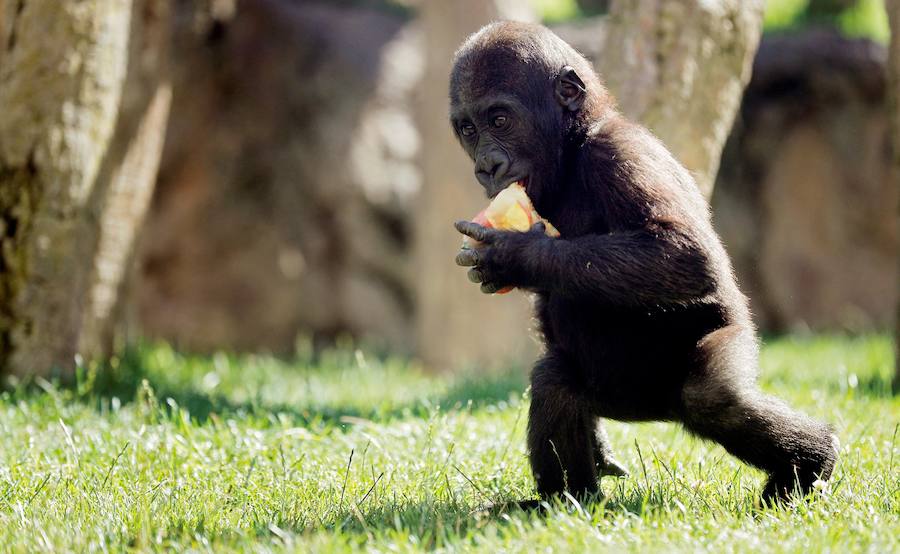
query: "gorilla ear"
569, 89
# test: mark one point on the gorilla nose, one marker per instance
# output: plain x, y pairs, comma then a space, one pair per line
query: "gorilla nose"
490, 168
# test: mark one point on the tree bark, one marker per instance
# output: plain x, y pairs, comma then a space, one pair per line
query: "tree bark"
680, 68
893, 9
456, 324
85, 105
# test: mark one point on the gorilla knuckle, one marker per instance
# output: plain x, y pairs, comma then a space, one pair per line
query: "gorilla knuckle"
467, 257
489, 288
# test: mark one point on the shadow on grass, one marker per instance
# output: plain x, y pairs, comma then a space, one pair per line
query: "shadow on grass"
126, 378
443, 523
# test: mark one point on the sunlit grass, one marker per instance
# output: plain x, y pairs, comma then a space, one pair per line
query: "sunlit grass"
353, 451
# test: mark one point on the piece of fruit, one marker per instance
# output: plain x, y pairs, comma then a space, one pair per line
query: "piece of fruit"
510, 210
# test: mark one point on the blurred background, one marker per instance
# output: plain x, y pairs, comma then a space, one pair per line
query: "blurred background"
261, 174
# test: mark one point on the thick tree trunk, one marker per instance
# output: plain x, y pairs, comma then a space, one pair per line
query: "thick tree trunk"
893, 9
84, 111
680, 69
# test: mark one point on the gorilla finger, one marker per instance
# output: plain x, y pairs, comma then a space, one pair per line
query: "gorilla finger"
474, 230
475, 275
539, 227
467, 257
489, 288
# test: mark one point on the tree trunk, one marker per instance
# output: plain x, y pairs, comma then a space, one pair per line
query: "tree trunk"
85, 106
893, 9
680, 68
456, 324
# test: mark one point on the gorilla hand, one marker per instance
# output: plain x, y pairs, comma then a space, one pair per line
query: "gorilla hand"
498, 258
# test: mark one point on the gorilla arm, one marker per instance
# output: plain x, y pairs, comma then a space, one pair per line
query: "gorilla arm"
656, 265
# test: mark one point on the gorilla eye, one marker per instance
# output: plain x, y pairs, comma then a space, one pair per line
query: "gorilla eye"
467, 129
499, 122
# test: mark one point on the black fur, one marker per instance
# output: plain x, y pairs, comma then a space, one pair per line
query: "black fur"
640, 312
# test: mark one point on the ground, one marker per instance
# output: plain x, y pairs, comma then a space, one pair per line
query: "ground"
354, 451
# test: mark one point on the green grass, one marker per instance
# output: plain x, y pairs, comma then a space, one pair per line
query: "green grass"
349, 452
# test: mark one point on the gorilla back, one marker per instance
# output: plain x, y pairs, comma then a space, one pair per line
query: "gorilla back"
638, 306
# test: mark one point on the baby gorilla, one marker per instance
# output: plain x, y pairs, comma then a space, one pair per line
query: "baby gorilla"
639, 309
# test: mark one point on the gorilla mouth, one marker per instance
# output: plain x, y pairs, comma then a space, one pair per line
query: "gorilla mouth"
521, 181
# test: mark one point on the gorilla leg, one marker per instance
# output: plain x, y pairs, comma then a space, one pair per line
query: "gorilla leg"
721, 402
561, 440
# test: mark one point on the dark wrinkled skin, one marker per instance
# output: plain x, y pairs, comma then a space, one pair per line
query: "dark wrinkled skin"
640, 313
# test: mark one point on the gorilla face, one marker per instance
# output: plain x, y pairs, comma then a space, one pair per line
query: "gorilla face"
514, 123
497, 131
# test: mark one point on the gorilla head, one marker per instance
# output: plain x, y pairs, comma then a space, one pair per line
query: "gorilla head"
519, 96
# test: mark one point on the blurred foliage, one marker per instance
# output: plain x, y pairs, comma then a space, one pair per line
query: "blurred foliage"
855, 18
867, 19
554, 11
782, 14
